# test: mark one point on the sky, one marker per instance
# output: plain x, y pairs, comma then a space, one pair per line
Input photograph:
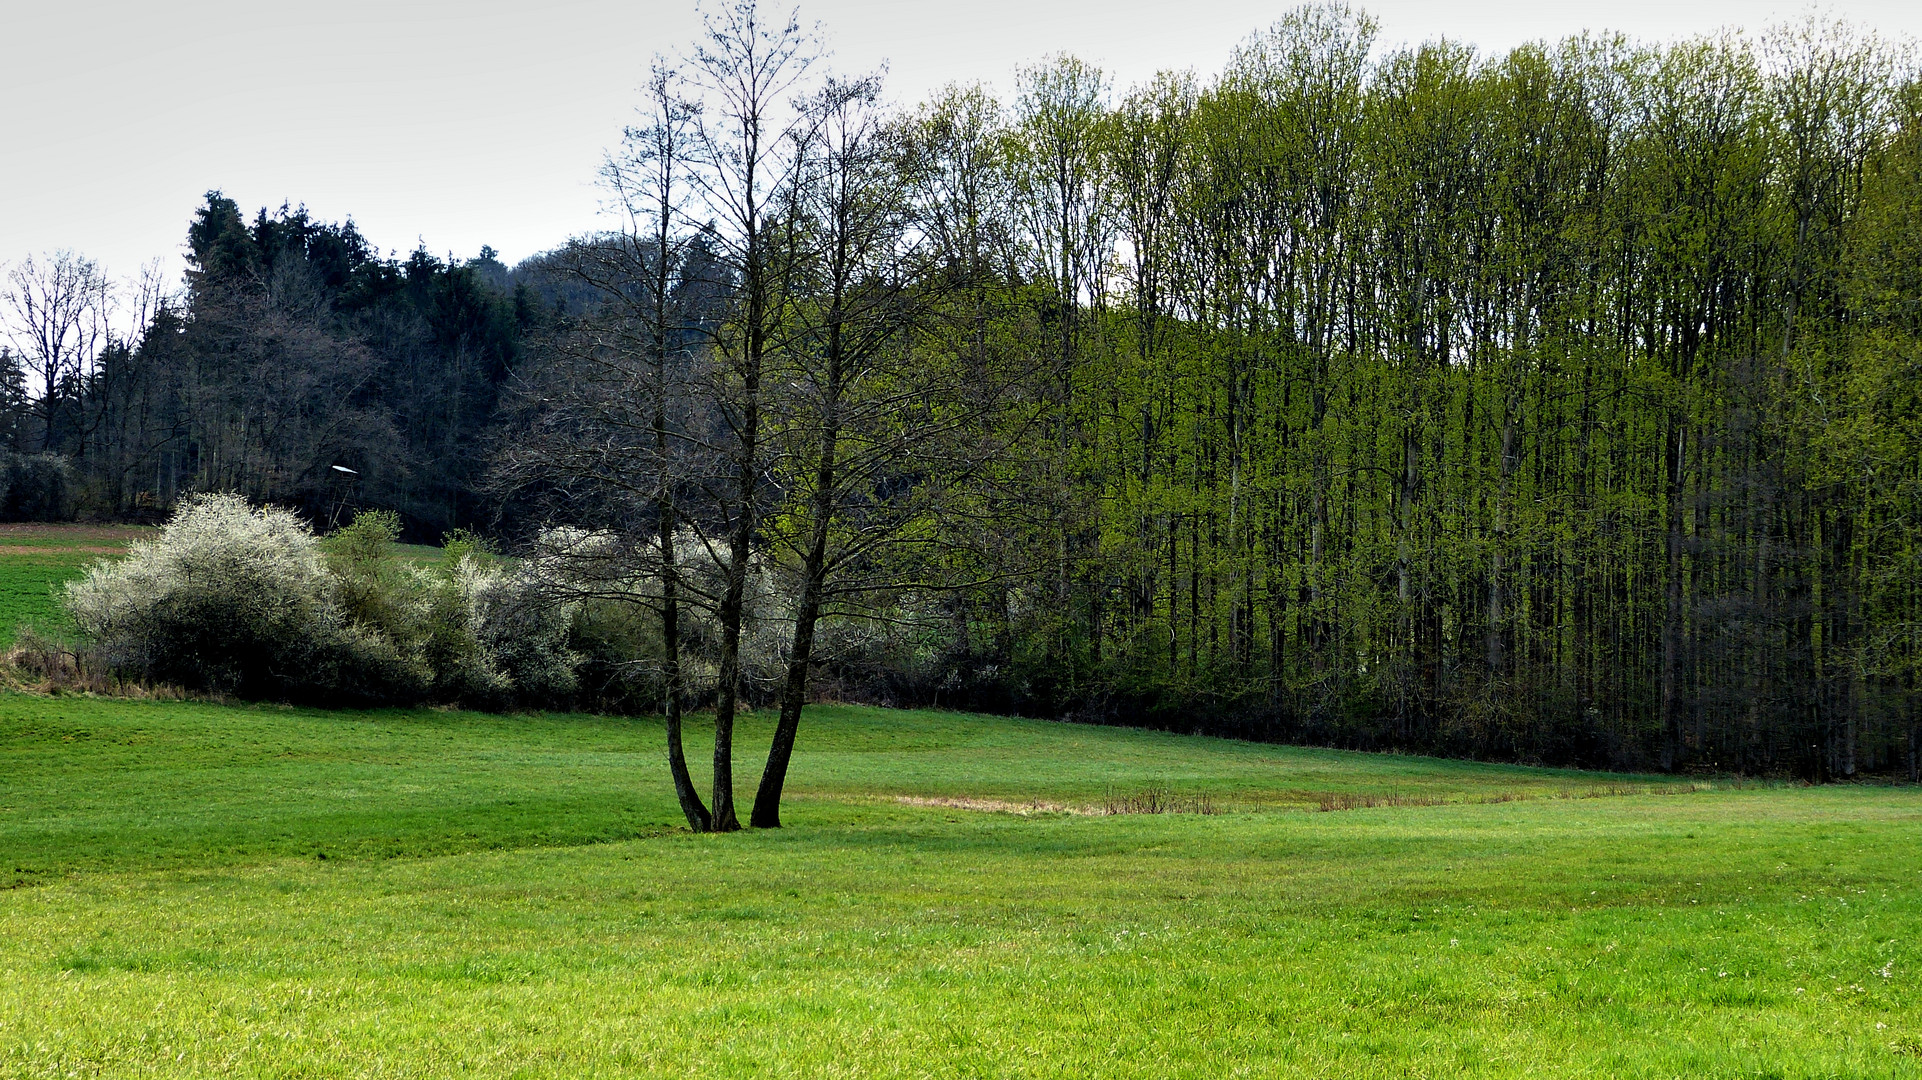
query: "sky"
457, 123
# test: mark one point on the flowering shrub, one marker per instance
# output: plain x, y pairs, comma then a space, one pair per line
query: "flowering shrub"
615, 633
520, 630
248, 601
230, 599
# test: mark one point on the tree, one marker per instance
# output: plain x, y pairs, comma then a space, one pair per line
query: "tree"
1066, 233
743, 71
611, 441
873, 430
59, 309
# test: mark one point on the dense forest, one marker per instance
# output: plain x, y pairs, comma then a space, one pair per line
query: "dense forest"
1562, 405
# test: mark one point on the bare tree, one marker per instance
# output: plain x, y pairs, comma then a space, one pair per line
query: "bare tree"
147, 294
58, 316
273, 393
609, 437
648, 419
744, 69
650, 187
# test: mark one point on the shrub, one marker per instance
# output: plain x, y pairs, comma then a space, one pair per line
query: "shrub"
231, 599
521, 628
36, 487
615, 633
247, 601
621, 650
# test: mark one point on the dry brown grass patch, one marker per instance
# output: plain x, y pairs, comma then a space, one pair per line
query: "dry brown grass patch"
994, 806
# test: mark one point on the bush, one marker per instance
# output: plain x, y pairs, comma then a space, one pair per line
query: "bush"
621, 650
247, 601
520, 627
228, 599
36, 487
616, 632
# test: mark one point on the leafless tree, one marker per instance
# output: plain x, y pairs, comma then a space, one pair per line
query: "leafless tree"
58, 312
274, 394
128, 423
608, 437
744, 70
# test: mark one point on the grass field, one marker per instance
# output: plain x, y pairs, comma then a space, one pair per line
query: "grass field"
201, 890
35, 559
263, 891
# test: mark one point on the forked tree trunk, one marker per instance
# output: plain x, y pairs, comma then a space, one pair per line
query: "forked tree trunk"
727, 700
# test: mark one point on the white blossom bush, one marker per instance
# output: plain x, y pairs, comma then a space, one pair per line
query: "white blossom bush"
247, 601
520, 628
615, 630
230, 598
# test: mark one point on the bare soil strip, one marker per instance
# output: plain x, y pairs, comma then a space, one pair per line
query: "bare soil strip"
999, 806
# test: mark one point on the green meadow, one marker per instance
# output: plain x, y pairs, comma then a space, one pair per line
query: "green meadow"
36, 559
206, 890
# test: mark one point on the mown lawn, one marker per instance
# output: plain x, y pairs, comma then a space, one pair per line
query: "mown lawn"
205, 890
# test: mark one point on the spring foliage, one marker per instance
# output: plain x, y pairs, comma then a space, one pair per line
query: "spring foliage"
1555, 404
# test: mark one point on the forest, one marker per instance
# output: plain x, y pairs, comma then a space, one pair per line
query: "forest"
1561, 406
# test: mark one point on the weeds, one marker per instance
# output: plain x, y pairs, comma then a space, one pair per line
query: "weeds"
1157, 799
38, 664
1344, 800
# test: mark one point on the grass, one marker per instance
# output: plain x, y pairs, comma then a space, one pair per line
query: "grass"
267, 891
36, 559
202, 890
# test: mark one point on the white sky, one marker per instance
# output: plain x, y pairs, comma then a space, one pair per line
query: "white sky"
459, 123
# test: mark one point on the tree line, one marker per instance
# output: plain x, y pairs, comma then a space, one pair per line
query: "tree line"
1550, 405
1554, 405
296, 366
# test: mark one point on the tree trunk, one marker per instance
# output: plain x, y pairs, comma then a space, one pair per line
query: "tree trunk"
733, 602
1493, 644
727, 696
767, 800
697, 814
1672, 619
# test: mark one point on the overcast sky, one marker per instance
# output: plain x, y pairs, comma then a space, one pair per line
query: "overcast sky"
458, 123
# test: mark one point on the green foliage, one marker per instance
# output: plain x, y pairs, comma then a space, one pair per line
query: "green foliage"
619, 643
1549, 405
483, 875
1552, 405
457, 544
373, 586
36, 487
